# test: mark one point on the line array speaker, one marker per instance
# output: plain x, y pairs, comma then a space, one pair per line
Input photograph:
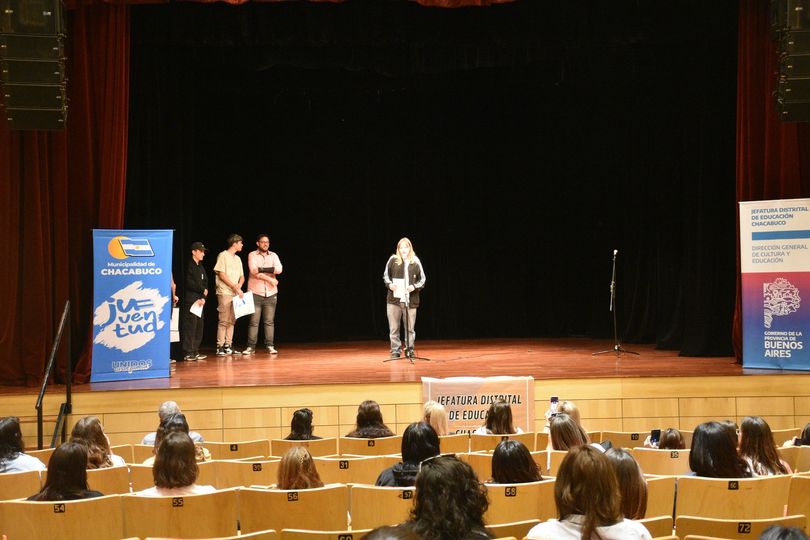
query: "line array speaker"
790, 26
32, 64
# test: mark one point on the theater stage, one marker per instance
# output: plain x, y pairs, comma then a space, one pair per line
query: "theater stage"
244, 397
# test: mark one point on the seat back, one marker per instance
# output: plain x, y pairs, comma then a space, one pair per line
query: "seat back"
140, 477
236, 473
43, 455
662, 462
19, 485
375, 506
63, 519
722, 498
481, 463
141, 452
519, 502
323, 509
541, 439
316, 447
782, 435
305, 534
516, 529
110, 480
458, 443
624, 439
238, 449
789, 454
660, 496
353, 469
732, 528
658, 525
803, 460
188, 516
487, 443
123, 450
351, 446
555, 457
799, 496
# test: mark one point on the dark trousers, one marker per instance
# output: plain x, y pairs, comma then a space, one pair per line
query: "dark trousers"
191, 330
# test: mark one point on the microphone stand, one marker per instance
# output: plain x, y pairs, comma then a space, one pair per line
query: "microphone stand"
617, 348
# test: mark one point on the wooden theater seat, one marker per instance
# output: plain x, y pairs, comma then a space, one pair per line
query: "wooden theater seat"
799, 496
487, 443
660, 496
519, 502
353, 469
624, 439
351, 446
238, 449
64, 519
305, 534
375, 506
316, 447
141, 452
323, 509
732, 528
20, 485
189, 516
237, 473
110, 480
721, 498
662, 462
658, 525
259, 535
458, 443
554, 460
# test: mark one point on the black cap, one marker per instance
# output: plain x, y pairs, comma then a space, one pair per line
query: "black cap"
198, 245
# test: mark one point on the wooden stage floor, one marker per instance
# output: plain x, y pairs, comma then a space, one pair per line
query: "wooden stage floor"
364, 362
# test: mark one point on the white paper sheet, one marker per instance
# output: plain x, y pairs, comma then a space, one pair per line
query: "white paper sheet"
243, 306
196, 309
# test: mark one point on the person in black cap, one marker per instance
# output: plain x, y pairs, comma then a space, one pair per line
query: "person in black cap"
196, 293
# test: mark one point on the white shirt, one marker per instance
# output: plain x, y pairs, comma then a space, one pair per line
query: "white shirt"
117, 461
150, 438
193, 489
23, 462
571, 529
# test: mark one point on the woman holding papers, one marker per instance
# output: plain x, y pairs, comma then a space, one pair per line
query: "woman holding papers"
193, 303
404, 277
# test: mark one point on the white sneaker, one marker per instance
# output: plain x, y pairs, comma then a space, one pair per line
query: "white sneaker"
272, 350
249, 350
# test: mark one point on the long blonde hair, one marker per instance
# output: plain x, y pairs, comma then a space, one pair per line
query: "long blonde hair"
411, 254
297, 470
436, 416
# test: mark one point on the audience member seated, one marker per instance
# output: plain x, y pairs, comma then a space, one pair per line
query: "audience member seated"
714, 452
176, 422
370, 422
12, 457
168, 408
301, 426
499, 420
297, 470
588, 501
436, 416
90, 431
175, 470
450, 502
512, 463
389, 532
419, 442
632, 485
758, 449
565, 433
671, 439
67, 475
567, 407
804, 438
780, 532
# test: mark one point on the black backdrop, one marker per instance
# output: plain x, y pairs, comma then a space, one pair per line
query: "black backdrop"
516, 145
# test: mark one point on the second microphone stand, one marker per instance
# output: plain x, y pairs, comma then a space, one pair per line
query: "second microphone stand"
617, 347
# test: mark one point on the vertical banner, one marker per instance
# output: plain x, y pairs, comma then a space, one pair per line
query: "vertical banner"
467, 400
775, 263
132, 305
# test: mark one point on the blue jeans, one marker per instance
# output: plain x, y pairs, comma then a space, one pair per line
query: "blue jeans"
265, 309
396, 314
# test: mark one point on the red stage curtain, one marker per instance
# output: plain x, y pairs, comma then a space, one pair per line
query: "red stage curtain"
55, 187
773, 157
